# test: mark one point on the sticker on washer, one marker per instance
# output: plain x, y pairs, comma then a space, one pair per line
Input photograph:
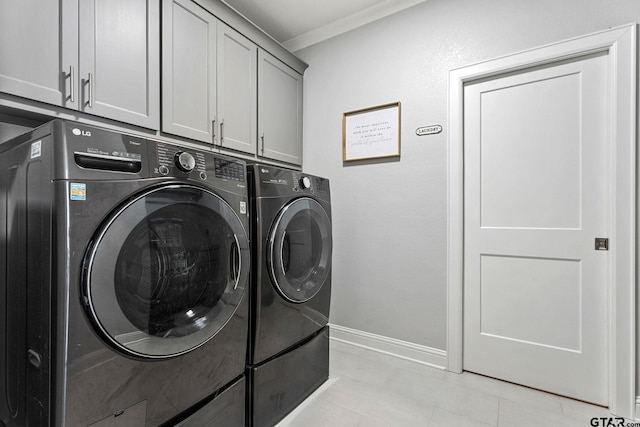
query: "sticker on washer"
36, 149
243, 208
78, 191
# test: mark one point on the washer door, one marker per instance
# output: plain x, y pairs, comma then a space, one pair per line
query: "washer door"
166, 271
299, 250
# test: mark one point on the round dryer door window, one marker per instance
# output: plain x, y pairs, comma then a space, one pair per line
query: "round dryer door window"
166, 271
299, 250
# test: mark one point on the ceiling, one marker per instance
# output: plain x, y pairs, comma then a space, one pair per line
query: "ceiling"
300, 23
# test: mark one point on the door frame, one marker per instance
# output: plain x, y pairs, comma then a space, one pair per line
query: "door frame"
620, 44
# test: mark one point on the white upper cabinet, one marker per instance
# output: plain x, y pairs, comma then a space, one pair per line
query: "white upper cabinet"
208, 79
237, 96
120, 60
96, 56
188, 70
39, 49
279, 110
224, 82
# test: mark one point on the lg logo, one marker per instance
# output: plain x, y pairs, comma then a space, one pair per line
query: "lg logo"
78, 132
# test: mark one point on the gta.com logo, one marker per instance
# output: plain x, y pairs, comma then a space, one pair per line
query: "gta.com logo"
612, 422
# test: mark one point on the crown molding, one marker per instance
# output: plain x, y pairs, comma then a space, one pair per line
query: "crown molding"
348, 23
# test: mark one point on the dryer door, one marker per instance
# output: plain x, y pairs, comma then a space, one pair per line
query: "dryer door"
166, 271
299, 250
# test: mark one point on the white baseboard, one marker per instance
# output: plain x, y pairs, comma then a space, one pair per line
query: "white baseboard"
405, 350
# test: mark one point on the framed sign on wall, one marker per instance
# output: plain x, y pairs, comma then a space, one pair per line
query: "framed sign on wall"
371, 133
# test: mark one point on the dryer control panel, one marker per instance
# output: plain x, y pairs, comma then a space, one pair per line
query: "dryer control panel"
276, 181
308, 183
302, 182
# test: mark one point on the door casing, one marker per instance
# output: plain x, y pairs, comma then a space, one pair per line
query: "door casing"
620, 45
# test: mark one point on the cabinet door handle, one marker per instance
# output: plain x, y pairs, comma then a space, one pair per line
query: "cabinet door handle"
72, 82
262, 139
213, 131
221, 131
90, 84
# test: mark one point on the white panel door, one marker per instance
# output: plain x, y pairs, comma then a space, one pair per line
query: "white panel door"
537, 181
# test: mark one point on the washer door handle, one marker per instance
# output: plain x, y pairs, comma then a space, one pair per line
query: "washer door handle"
235, 262
285, 257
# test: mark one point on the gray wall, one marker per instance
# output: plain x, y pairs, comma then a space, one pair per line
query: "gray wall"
11, 126
390, 218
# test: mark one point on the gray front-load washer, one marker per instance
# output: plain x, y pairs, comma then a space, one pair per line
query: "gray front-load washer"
125, 264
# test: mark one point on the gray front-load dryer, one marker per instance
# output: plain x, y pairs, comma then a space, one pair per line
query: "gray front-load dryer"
291, 234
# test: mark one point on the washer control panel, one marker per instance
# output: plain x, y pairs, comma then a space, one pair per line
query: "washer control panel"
184, 161
178, 161
174, 161
229, 169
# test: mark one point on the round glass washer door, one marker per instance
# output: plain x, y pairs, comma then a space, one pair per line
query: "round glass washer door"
299, 250
166, 271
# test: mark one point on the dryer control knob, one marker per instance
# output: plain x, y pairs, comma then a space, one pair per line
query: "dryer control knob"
305, 182
185, 161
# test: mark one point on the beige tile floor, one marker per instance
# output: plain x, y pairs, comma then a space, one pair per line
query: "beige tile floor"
370, 389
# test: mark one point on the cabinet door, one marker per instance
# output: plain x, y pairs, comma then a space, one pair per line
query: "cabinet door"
279, 110
237, 90
120, 60
188, 70
39, 49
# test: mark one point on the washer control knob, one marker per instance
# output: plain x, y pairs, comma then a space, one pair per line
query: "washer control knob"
163, 170
305, 182
185, 161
